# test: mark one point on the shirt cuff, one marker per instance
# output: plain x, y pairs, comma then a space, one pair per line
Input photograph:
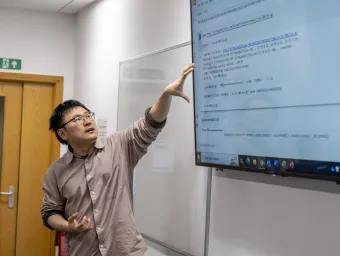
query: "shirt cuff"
153, 123
49, 214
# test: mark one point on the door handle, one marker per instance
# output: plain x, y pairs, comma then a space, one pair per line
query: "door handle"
10, 195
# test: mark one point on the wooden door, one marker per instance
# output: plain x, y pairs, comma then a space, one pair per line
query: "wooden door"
32, 237
10, 122
28, 150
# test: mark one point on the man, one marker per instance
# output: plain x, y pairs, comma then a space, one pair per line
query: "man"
87, 192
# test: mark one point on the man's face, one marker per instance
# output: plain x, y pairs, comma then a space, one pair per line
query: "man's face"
80, 127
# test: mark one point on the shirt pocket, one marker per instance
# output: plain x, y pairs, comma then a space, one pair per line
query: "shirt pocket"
110, 176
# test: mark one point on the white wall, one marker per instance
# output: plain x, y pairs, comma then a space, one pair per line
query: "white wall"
152, 25
251, 214
98, 51
261, 215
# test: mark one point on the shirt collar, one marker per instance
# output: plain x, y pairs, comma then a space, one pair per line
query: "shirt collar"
69, 154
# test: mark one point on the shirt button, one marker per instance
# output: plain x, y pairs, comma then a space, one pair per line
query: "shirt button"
101, 246
96, 211
89, 176
93, 193
98, 229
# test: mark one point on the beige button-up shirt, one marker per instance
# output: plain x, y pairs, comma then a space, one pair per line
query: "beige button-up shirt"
99, 186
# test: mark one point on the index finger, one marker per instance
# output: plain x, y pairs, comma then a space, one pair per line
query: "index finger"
73, 216
187, 71
188, 68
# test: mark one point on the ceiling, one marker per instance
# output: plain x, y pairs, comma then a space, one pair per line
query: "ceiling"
63, 6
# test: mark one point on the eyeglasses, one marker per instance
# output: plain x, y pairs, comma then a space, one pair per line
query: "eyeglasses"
80, 119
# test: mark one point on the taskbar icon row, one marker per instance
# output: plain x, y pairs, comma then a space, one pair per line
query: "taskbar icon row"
266, 163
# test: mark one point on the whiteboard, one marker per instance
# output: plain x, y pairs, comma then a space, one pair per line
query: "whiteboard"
169, 191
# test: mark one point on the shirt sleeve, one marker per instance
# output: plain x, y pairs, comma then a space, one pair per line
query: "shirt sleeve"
136, 139
53, 202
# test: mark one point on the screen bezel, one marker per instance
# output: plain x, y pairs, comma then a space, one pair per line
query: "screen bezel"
239, 168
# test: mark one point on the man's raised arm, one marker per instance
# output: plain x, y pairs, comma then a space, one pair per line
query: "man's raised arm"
160, 110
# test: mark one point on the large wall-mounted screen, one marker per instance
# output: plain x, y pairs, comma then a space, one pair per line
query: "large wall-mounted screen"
267, 85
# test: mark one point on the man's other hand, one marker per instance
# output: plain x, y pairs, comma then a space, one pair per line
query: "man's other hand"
74, 226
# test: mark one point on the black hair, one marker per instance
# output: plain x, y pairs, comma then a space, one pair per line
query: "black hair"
57, 117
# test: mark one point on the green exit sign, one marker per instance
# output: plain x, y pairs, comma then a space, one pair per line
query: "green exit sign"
13, 64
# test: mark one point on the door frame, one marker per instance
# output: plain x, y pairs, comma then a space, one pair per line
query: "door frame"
57, 82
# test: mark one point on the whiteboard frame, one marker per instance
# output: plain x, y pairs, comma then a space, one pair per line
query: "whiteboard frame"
154, 53
208, 201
